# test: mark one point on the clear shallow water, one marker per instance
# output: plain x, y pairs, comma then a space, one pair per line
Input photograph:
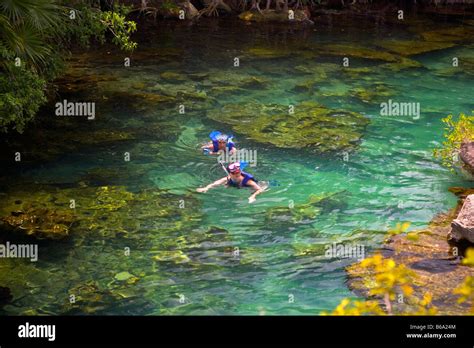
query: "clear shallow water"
392, 177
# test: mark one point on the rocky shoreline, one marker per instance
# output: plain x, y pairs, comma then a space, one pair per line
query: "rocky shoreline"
433, 256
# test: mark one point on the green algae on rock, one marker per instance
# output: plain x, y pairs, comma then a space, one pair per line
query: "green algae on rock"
45, 212
111, 198
233, 78
356, 51
172, 77
402, 64
311, 126
176, 256
304, 212
451, 34
219, 91
411, 48
39, 216
373, 95
305, 86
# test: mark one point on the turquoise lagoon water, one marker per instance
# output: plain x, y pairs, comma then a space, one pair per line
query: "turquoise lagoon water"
391, 177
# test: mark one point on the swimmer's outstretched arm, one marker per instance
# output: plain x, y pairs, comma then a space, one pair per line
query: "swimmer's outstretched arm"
258, 190
214, 184
209, 146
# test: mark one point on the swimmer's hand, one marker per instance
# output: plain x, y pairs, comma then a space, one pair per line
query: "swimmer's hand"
252, 199
202, 189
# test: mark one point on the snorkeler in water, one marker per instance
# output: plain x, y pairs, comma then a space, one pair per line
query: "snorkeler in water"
219, 143
236, 178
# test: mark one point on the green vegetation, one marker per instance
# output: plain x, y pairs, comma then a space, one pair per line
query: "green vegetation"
386, 281
34, 38
456, 132
466, 289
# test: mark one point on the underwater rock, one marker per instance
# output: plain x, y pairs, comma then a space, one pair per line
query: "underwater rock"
305, 86
306, 249
77, 81
372, 95
234, 79
39, 219
183, 91
123, 276
219, 91
198, 76
89, 298
411, 48
466, 155
430, 257
462, 228
275, 16
311, 126
451, 35
176, 256
356, 51
111, 198
172, 76
304, 212
268, 52
402, 64
319, 70
358, 73
107, 211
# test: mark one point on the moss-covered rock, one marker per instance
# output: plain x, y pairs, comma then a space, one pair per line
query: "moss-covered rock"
319, 71
372, 94
402, 64
236, 79
356, 51
39, 216
220, 91
45, 212
410, 48
452, 34
311, 126
172, 77
304, 212
304, 86
184, 91
176, 256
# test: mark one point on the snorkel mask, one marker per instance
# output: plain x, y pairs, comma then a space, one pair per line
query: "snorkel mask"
234, 168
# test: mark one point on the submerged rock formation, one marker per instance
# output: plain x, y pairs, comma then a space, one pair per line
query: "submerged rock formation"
310, 125
46, 212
